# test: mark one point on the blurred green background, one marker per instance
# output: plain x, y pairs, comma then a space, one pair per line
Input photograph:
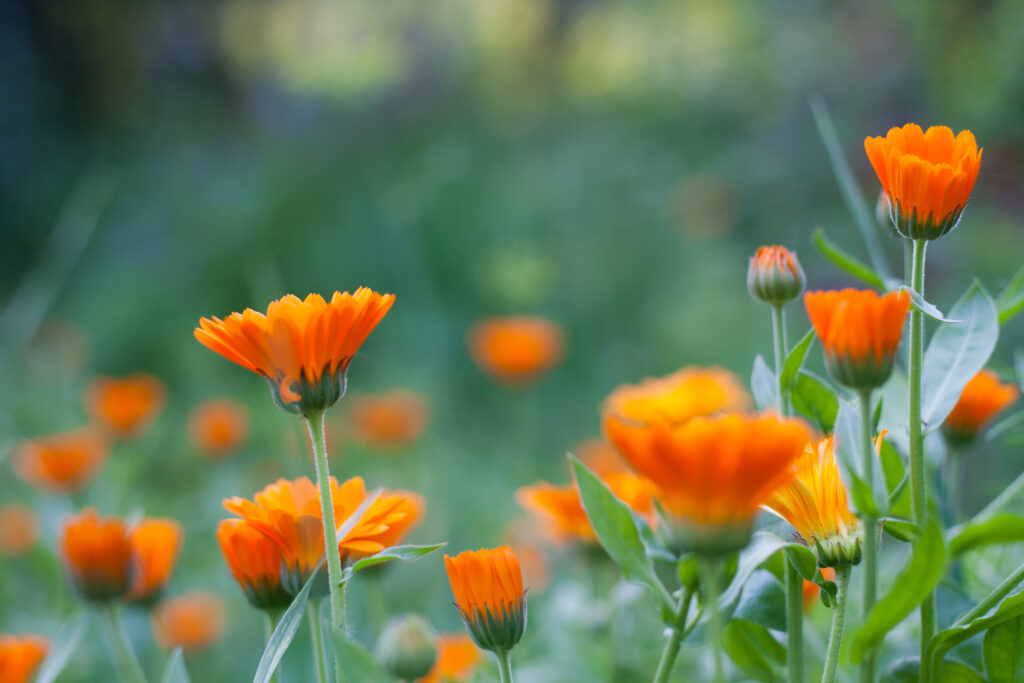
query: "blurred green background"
609, 165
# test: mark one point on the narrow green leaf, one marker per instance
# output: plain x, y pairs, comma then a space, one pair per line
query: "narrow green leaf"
283, 634
900, 529
845, 261
65, 643
812, 398
762, 384
1003, 652
930, 310
896, 479
762, 546
795, 360
954, 671
1004, 426
407, 553
754, 649
1010, 607
174, 670
763, 601
355, 660
905, 670
1000, 528
1010, 301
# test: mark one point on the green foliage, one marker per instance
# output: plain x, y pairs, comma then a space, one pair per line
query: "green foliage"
64, 644
174, 670
1003, 651
907, 670
284, 632
763, 385
1010, 607
1010, 301
1000, 528
406, 553
795, 360
812, 398
355, 661
845, 261
755, 650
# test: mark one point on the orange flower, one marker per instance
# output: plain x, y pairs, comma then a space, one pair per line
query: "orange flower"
63, 462
815, 503
600, 457
391, 420
218, 427
980, 401
288, 513
928, 177
125, 405
774, 275
192, 622
18, 529
811, 589
516, 349
20, 655
155, 545
714, 473
255, 562
457, 657
302, 347
685, 394
488, 589
98, 555
859, 331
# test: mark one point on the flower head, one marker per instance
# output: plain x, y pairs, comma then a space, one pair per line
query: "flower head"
815, 503
125, 405
218, 427
63, 462
19, 529
255, 562
860, 332
391, 420
301, 346
457, 656
192, 622
775, 276
98, 555
928, 177
982, 399
20, 656
155, 545
516, 349
685, 394
488, 590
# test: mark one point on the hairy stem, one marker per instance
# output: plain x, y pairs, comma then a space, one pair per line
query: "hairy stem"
835, 636
709, 583
316, 634
671, 649
867, 667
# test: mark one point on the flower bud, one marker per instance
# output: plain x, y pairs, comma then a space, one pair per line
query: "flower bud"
775, 275
407, 647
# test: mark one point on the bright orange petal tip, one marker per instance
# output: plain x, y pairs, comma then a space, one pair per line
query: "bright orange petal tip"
20, 656
390, 420
488, 589
61, 463
125, 406
928, 177
859, 331
301, 346
192, 622
218, 427
984, 397
19, 529
774, 275
457, 657
687, 393
97, 554
516, 350
155, 545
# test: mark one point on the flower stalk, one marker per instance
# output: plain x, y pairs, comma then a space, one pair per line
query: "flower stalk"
835, 635
505, 665
671, 649
316, 634
124, 656
708, 568
315, 422
867, 667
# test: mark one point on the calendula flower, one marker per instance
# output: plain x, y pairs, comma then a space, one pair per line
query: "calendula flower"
390, 420
860, 332
928, 177
288, 513
155, 545
516, 349
774, 275
302, 347
983, 398
125, 405
218, 427
488, 589
457, 657
811, 589
98, 555
61, 463
255, 562
20, 656
685, 394
192, 622
19, 529
815, 503
713, 473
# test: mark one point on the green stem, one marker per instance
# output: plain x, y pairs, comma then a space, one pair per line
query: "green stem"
505, 665
867, 667
315, 632
671, 649
779, 344
835, 636
270, 623
127, 663
794, 622
315, 422
709, 582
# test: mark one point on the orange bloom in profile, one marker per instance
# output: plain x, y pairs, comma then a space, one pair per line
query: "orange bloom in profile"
685, 394
811, 589
516, 349
390, 420
488, 590
192, 622
63, 462
19, 529
20, 656
860, 332
982, 399
97, 553
125, 405
288, 513
218, 427
255, 562
457, 657
155, 545
928, 177
301, 346
774, 275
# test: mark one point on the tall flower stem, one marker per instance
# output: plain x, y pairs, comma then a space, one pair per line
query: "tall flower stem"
315, 422
127, 663
269, 624
835, 636
505, 665
708, 568
779, 344
671, 649
867, 667
316, 633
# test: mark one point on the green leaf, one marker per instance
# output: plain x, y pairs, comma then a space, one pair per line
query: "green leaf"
900, 529
930, 310
65, 643
284, 632
907, 670
407, 553
754, 650
763, 601
958, 672
803, 560
957, 352
812, 398
355, 660
174, 670
1000, 528
942, 642
616, 530
1003, 652
762, 546
762, 385
845, 261
795, 360
916, 581
849, 441
896, 480
1010, 301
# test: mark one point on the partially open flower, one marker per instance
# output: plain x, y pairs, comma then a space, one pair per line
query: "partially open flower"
390, 420
20, 656
255, 562
192, 622
488, 590
516, 349
218, 427
155, 545
984, 397
19, 529
125, 405
302, 347
774, 275
61, 463
98, 555
456, 659
685, 394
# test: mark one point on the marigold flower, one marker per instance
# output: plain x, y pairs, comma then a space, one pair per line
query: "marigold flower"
774, 275
125, 405
20, 656
63, 462
457, 657
218, 427
98, 555
488, 590
155, 545
19, 529
928, 177
301, 346
516, 349
255, 562
815, 503
192, 622
982, 399
390, 420
713, 473
687, 393
860, 332
811, 589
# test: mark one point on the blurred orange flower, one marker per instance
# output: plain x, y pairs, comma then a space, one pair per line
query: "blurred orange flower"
390, 420
155, 545
218, 427
302, 347
20, 656
125, 405
600, 456
516, 349
97, 554
255, 562
488, 589
982, 399
192, 622
928, 177
684, 394
63, 462
529, 542
457, 657
19, 529
811, 589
